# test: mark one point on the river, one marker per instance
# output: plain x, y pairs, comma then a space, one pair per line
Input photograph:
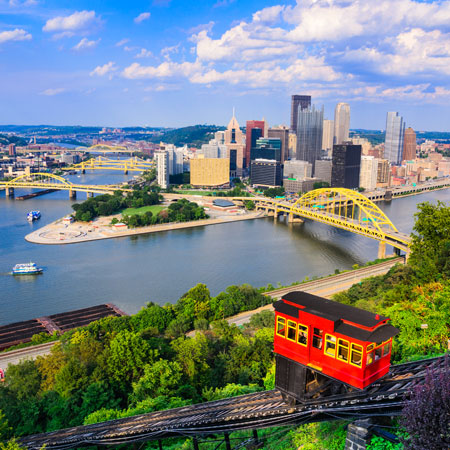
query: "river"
160, 267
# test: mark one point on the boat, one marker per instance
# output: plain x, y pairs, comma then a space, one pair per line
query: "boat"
26, 269
33, 215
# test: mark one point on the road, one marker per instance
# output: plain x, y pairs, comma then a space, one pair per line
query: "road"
325, 287
15, 356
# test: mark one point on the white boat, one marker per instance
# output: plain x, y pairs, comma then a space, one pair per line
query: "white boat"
27, 269
33, 215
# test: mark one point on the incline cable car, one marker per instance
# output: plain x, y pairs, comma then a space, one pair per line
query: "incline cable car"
323, 347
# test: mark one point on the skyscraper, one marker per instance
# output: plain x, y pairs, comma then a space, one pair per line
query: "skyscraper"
393, 144
309, 134
327, 137
346, 166
162, 168
409, 145
234, 141
302, 101
368, 173
250, 140
282, 133
341, 123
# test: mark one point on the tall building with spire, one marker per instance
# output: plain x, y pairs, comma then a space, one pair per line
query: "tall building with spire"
341, 123
301, 102
234, 140
409, 145
393, 143
309, 134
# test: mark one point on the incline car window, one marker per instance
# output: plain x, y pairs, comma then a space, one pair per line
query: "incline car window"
302, 337
342, 350
281, 326
291, 330
356, 355
330, 345
317, 338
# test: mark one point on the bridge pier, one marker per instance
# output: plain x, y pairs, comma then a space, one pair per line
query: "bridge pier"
382, 250
72, 194
9, 192
358, 435
293, 219
89, 194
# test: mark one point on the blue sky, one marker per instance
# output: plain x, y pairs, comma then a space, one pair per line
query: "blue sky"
178, 62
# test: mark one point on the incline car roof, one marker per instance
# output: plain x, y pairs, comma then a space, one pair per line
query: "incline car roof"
333, 311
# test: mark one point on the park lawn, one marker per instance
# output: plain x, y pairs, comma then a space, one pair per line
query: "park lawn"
187, 192
155, 209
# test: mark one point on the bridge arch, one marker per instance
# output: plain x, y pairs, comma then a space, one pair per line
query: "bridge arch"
339, 201
38, 177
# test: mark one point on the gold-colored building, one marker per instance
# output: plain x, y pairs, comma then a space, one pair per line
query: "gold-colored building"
210, 172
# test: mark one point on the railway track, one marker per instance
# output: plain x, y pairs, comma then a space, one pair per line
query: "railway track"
253, 411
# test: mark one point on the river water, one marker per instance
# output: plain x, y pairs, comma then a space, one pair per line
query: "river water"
160, 267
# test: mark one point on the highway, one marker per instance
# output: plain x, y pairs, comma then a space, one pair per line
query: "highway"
325, 287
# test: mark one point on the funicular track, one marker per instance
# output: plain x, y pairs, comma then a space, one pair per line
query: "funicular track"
253, 411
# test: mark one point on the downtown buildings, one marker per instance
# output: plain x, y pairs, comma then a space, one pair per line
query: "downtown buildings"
393, 144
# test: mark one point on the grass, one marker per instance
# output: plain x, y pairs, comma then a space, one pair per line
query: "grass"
155, 209
187, 192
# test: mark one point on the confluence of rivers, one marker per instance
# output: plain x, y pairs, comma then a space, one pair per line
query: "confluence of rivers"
160, 267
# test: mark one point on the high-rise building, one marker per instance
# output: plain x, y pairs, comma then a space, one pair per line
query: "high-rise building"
250, 138
266, 148
282, 133
214, 150
364, 143
298, 170
176, 158
12, 149
393, 144
383, 173
323, 170
369, 173
234, 140
266, 172
409, 145
309, 134
341, 123
162, 168
298, 102
292, 146
210, 172
346, 166
327, 136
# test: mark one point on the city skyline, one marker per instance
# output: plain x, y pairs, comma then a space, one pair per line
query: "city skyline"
172, 63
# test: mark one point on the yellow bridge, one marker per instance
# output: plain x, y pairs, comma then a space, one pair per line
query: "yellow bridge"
341, 208
98, 148
124, 165
51, 181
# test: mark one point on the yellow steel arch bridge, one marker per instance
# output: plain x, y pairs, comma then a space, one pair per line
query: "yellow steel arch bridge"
342, 208
105, 148
51, 181
124, 165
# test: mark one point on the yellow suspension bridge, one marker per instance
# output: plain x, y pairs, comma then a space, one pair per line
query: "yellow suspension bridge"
341, 208
51, 181
125, 165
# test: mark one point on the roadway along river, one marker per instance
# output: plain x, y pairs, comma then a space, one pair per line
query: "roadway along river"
160, 267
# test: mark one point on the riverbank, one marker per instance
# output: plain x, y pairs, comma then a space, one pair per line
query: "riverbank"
59, 233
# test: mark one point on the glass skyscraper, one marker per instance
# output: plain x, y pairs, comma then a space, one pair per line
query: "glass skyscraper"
393, 143
309, 134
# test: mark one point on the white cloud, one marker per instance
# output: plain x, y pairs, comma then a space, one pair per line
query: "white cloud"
122, 42
14, 35
53, 91
167, 51
141, 17
85, 43
103, 70
78, 22
164, 70
144, 53
23, 2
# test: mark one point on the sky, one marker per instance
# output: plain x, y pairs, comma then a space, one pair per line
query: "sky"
182, 62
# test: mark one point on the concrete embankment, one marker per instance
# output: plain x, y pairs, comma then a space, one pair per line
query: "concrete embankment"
59, 233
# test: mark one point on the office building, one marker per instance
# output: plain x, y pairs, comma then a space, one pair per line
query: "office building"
266, 173
282, 133
12, 150
266, 148
369, 173
213, 150
210, 172
309, 134
176, 158
250, 137
383, 173
409, 145
234, 140
346, 166
299, 186
366, 146
341, 123
298, 102
219, 137
292, 146
323, 170
297, 170
162, 168
393, 144
328, 136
